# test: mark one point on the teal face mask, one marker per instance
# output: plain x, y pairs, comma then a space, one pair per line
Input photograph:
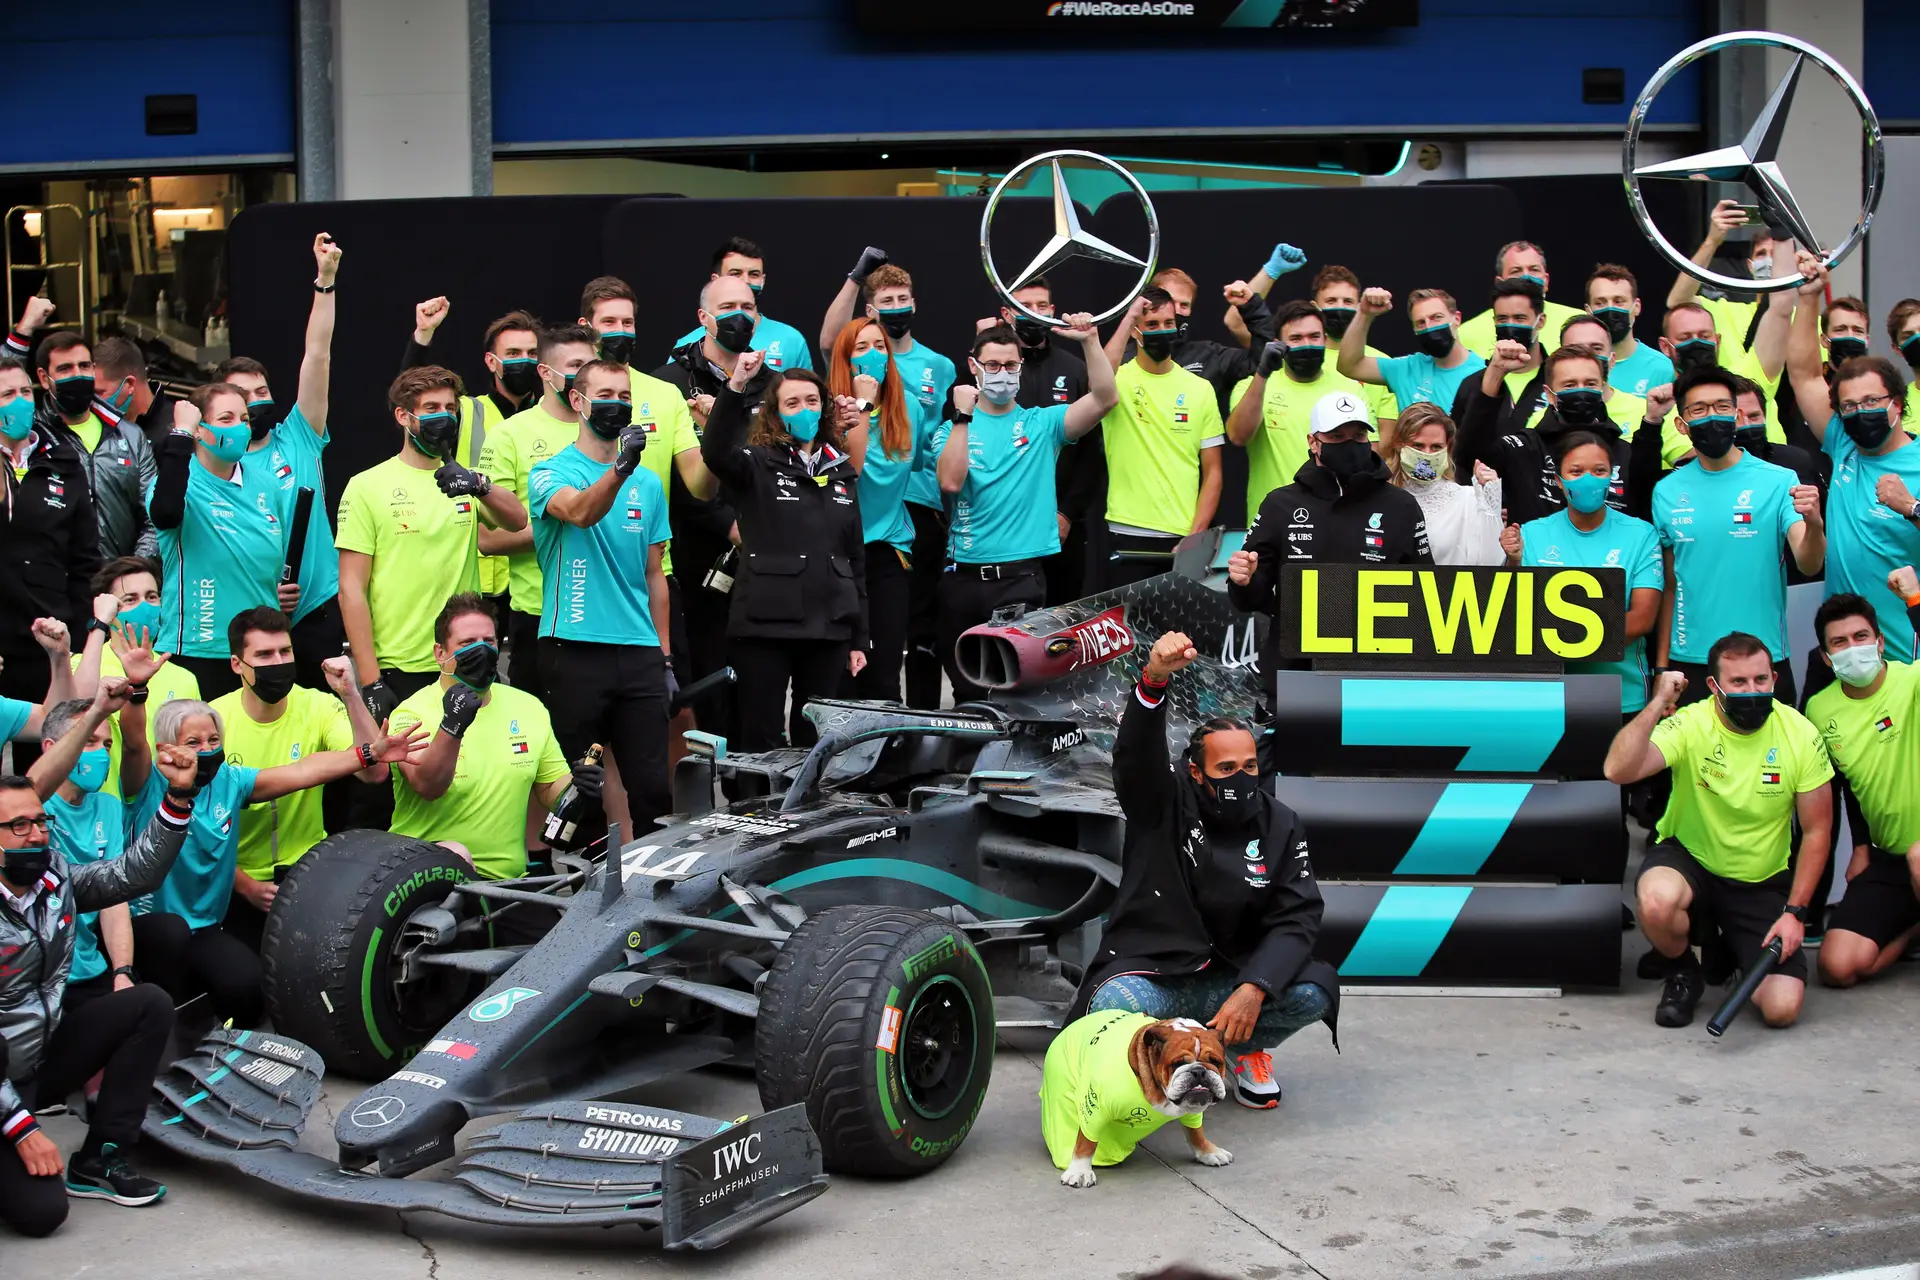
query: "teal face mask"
873, 363
16, 418
90, 773
229, 444
802, 424
1587, 493
143, 616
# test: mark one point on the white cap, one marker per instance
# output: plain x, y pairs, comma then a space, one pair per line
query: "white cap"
1336, 409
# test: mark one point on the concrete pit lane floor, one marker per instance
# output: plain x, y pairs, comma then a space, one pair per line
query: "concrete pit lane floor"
1491, 1137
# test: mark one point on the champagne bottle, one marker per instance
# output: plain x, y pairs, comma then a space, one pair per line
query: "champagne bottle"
563, 822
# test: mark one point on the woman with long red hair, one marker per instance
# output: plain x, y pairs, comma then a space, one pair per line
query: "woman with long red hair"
888, 444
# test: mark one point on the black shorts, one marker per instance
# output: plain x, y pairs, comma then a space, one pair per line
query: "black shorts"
1879, 905
1743, 911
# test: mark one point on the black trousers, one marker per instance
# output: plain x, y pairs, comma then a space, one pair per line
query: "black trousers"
967, 600
523, 653
216, 675
813, 669
370, 804
705, 618
889, 603
317, 637
24, 676
186, 962
616, 695
923, 606
1121, 568
1067, 577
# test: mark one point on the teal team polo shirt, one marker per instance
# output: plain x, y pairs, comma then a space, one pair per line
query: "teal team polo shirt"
884, 480
201, 882
594, 580
928, 376
1415, 378
226, 555
14, 715
1646, 367
87, 832
292, 457
1728, 531
1866, 539
785, 348
1621, 542
1006, 508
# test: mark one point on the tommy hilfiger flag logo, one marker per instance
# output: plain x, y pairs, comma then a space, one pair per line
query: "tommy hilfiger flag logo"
519, 748
1770, 779
1375, 540
462, 508
633, 513
1179, 417
1743, 517
1884, 723
283, 470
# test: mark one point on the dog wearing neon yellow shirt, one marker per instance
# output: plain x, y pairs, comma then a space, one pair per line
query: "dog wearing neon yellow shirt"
1111, 1078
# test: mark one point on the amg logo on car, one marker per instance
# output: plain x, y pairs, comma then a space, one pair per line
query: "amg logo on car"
886, 833
402, 891
635, 1119
626, 1142
932, 958
1063, 741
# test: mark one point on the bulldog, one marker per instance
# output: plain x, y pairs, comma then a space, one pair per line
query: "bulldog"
1112, 1078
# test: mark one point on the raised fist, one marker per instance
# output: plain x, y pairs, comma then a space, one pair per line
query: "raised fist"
1376, 302
1512, 543
427, 317
965, 398
1171, 652
1667, 689
871, 260
326, 257
1241, 566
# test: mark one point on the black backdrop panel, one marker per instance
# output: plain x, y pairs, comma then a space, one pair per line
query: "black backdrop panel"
487, 256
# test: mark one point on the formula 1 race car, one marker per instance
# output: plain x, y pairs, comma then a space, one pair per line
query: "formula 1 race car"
852, 924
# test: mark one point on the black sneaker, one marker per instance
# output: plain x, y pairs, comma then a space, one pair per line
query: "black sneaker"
108, 1176
1678, 998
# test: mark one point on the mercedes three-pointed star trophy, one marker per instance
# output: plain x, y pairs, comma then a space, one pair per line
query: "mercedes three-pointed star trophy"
1069, 239
1753, 161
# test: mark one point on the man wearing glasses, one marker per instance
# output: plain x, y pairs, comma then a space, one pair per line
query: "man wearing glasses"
1005, 521
44, 1055
1726, 524
1875, 472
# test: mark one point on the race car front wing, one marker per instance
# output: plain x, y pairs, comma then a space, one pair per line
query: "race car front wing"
242, 1099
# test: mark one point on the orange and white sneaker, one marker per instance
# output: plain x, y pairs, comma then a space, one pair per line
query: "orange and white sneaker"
1253, 1081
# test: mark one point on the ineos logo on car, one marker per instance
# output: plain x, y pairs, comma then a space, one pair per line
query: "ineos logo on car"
500, 1004
379, 1112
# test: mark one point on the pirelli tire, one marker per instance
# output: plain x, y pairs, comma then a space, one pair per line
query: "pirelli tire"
881, 1021
329, 951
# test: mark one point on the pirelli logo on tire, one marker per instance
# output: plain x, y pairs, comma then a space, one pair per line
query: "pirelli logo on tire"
932, 958
1452, 612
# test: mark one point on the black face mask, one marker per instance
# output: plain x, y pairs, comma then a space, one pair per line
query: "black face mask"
1910, 351
1032, 333
1712, 436
1336, 319
1746, 711
608, 418
617, 347
897, 322
1520, 333
1347, 458
73, 396
1754, 440
1868, 428
436, 434
259, 418
1619, 321
1580, 406
1842, 349
1436, 342
1158, 343
476, 665
519, 378
207, 765
1232, 801
1695, 353
272, 684
733, 331
24, 866
1305, 362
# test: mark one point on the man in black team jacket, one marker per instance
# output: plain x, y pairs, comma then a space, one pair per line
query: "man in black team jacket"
1342, 508
1217, 911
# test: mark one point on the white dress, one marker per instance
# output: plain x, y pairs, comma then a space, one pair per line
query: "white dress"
1463, 520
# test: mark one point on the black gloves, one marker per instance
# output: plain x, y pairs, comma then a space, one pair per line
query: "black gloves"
458, 706
633, 443
589, 780
457, 482
870, 259
380, 700
1271, 357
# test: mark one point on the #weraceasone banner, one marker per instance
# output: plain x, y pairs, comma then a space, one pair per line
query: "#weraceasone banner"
1069, 16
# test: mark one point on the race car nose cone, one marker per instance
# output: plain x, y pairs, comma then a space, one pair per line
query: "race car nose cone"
399, 1124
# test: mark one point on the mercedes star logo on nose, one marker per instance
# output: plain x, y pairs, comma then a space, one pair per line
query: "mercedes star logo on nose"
1753, 160
376, 1113
1069, 240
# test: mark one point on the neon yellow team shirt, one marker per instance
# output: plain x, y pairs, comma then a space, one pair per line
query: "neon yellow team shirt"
507, 751
661, 408
1088, 1086
90, 431
1279, 447
170, 682
278, 833
1872, 740
1154, 438
492, 569
1733, 793
522, 443
424, 547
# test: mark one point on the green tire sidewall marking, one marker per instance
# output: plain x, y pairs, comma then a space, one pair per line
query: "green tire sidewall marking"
366, 993
940, 980
884, 1064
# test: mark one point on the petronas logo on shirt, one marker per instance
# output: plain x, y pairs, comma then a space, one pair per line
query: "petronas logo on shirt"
1884, 723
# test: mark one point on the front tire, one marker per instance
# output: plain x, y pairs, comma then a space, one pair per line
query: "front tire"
330, 950
881, 1020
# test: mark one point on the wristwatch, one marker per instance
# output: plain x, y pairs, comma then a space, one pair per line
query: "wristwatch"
1798, 913
1915, 513
125, 970
865, 406
94, 624
962, 419
324, 288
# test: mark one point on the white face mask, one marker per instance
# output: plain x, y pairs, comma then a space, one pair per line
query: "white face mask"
1857, 665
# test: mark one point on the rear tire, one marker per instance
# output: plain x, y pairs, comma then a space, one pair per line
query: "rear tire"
328, 952
881, 1020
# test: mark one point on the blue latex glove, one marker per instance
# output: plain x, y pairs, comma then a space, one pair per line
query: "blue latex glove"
1285, 258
